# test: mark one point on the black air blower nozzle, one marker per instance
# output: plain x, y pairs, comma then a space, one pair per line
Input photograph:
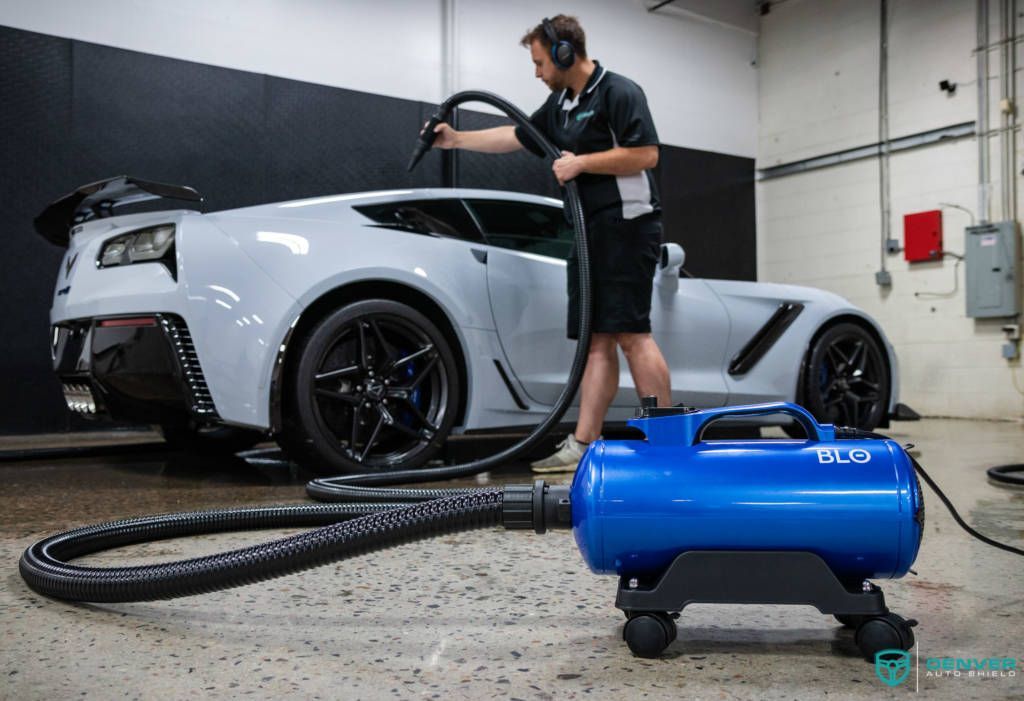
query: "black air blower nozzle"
425, 140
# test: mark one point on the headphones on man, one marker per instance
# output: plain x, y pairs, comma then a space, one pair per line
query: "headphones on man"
562, 52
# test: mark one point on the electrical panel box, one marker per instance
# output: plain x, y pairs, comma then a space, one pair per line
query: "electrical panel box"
992, 259
922, 236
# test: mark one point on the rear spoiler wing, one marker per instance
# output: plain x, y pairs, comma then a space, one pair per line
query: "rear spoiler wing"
98, 199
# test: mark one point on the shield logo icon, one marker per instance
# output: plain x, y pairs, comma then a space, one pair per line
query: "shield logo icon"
892, 666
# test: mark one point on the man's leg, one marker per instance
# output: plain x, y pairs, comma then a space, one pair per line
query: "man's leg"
647, 365
598, 387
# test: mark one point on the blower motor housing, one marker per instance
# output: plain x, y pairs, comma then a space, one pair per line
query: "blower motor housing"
638, 504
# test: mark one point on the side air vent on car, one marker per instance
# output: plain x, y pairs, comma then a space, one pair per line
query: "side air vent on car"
181, 340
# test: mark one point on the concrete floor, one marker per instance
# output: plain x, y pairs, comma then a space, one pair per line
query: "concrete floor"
488, 614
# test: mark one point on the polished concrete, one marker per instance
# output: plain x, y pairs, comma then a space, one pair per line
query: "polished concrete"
486, 614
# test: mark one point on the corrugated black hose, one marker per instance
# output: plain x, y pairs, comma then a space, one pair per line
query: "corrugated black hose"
346, 530
372, 527
373, 519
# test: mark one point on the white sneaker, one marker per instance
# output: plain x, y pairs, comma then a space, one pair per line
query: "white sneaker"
564, 459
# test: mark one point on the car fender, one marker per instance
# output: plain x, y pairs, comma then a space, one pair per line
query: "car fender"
312, 258
750, 304
237, 315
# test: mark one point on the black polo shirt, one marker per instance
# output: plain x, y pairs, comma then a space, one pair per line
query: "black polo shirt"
610, 111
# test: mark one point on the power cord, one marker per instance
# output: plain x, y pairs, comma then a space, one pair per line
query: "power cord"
844, 432
956, 517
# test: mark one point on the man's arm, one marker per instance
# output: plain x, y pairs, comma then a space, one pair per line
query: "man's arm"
620, 160
496, 140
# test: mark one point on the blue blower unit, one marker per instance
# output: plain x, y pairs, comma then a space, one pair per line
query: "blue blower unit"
636, 504
683, 520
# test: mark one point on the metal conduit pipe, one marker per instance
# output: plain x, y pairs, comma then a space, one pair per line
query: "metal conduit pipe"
882, 277
1010, 94
982, 128
1004, 111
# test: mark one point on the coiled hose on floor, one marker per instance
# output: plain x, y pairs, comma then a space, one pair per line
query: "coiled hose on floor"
373, 527
371, 519
345, 530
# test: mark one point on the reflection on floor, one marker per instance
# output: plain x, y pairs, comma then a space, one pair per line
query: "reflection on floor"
482, 614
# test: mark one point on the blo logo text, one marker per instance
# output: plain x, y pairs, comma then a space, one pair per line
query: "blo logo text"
835, 456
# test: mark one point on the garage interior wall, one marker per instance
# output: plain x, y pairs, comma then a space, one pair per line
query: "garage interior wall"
283, 100
819, 94
425, 50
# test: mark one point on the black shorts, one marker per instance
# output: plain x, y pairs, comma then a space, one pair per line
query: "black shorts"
623, 256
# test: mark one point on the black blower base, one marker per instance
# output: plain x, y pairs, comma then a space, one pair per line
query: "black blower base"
755, 577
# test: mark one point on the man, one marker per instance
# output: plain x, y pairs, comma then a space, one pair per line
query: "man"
601, 122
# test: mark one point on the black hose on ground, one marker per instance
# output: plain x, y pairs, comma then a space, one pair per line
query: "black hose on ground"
343, 531
1007, 474
346, 531
351, 494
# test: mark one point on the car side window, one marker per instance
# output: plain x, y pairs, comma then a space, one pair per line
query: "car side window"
524, 226
441, 217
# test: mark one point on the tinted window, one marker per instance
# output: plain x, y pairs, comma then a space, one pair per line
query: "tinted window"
444, 217
522, 226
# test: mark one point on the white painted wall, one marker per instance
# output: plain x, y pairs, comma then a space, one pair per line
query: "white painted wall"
819, 94
698, 77
697, 74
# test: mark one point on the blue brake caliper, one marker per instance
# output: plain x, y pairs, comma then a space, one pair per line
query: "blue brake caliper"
406, 417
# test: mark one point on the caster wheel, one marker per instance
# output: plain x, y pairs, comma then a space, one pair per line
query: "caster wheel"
888, 632
850, 620
648, 634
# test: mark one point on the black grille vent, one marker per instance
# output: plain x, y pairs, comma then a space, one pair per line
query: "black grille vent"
201, 402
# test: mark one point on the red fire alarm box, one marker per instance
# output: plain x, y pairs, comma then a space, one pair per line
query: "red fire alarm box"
922, 236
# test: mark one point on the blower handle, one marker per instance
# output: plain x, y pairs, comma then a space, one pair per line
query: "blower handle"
814, 430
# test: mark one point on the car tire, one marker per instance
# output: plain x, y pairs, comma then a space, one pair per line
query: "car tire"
846, 378
374, 387
209, 440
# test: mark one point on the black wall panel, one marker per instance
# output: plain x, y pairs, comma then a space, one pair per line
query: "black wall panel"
520, 171
707, 201
327, 140
35, 163
73, 112
172, 121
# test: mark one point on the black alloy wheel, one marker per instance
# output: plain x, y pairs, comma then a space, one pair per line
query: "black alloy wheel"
846, 379
375, 388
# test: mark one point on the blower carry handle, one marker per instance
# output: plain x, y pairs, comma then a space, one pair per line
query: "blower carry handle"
814, 430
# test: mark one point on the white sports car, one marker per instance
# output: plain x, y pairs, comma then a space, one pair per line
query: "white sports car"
361, 330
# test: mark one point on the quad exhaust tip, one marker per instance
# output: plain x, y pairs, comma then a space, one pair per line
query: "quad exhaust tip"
80, 398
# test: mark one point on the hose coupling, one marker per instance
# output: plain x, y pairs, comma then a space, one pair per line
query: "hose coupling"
539, 506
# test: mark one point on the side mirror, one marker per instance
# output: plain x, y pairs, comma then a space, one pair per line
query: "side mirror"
672, 257
671, 260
